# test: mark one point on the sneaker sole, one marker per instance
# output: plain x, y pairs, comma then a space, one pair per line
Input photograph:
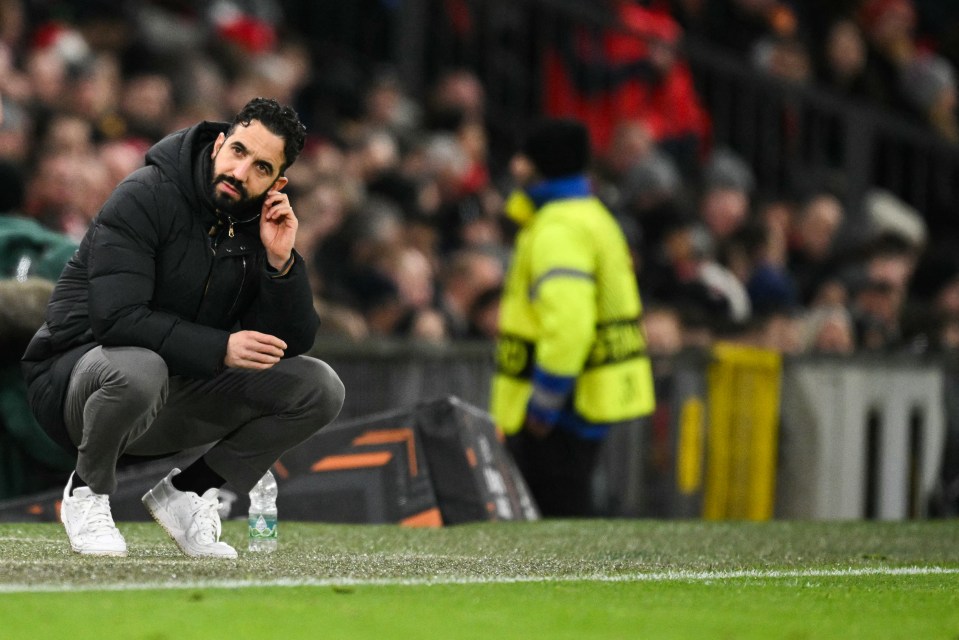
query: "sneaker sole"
98, 552
153, 507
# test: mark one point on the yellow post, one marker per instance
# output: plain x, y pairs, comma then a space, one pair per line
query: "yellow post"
689, 450
744, 387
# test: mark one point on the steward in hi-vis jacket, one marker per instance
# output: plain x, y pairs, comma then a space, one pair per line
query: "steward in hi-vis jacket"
571, 353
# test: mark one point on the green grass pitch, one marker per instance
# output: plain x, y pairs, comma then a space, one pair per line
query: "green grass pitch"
550, 579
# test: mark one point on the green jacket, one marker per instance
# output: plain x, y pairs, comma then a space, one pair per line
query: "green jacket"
29, 249
30, 256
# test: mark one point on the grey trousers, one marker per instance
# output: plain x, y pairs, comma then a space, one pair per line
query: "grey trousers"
121, 400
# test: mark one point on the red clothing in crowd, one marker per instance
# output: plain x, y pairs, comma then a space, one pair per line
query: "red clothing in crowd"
609, 78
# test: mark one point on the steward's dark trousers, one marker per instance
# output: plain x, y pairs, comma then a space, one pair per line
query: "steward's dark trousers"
121, 400
558, 470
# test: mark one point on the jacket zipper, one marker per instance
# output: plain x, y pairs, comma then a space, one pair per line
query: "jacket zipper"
209, 275
240, 290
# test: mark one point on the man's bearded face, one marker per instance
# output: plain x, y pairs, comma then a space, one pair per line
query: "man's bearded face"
245, 165
241, 207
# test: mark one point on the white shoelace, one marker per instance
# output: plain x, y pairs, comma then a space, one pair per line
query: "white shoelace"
98, 520
206, 518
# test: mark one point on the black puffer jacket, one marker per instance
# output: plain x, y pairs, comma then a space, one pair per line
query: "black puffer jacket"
149, 274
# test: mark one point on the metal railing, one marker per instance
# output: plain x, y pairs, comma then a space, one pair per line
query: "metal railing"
859, 437
384, 375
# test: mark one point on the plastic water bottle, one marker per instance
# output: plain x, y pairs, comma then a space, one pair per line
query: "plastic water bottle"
262, 518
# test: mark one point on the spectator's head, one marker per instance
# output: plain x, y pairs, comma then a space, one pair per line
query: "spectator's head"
146, 101
57, 51
664, 330
781, 332
875, 306
662, 34
784, 58
121, 158
95, 91
373, 231
379, 301
446, 166
557, 148
888, 22
704, 313
724, 210
726, 169
727, 184
67, 134
321, 210
460, 91
650, 182
387, 104
413, 275
13, 22
936, 278
935, 291
929, 82
6, 70
892, 261
375, 154
828, 329
631, 143
845, 50
469, 273
484, 314
820, 218
15, 131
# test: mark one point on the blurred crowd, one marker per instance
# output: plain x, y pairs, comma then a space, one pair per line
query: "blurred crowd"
897, 54
400, 207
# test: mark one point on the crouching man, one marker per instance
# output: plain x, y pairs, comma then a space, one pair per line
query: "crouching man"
181, 322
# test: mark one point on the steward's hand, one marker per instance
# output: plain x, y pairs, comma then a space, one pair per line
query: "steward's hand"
253, 350
536, 427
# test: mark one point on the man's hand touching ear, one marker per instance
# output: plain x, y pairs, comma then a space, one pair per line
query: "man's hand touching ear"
278, 226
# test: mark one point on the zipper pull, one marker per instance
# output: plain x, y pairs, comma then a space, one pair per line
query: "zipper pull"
230, 232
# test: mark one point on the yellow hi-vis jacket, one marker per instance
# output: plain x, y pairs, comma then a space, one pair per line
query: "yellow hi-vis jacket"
570, 310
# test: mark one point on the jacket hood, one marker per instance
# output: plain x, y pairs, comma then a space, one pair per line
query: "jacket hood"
178, 154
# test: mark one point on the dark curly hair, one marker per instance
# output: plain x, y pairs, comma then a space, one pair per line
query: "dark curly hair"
279, 120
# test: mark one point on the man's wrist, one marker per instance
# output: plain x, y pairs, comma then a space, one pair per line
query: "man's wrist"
279, 267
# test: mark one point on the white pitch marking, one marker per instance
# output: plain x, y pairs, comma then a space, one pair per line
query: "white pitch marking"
664, 576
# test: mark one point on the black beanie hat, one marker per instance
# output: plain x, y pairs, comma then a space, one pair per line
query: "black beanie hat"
558, 147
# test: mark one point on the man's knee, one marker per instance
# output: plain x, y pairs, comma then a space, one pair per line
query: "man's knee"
320, 388
141, 373
334, 390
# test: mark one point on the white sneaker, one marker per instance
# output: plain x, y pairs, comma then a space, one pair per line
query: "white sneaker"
191, 520
86, 517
